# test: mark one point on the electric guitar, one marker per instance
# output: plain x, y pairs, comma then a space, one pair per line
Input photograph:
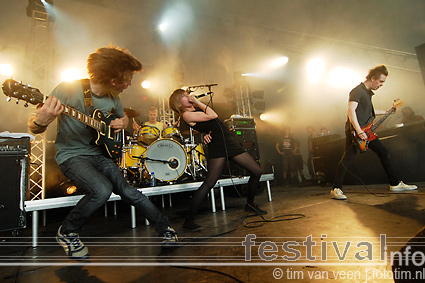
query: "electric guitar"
369, 129
110, 142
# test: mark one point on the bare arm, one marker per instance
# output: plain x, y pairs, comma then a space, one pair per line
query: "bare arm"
46, 113
193, 117
352, 116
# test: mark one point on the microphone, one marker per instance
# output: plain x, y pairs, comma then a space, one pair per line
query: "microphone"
203, 94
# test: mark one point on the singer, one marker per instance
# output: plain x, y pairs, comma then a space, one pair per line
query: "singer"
221, 145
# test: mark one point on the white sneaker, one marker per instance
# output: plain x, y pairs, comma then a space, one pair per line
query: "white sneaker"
338, 194
403, 187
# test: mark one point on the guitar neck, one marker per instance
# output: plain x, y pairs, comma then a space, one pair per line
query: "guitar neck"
377, 124
87, 120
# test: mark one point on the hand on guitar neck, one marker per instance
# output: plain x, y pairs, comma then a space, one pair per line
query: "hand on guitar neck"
367, 133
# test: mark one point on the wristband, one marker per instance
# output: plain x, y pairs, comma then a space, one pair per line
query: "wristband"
38, 125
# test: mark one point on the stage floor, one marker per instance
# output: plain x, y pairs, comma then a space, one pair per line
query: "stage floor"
322, 240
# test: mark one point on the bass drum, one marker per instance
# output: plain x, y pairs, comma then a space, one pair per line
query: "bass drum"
166, 158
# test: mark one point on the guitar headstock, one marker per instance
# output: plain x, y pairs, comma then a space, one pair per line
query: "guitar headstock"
397, 103
12, 88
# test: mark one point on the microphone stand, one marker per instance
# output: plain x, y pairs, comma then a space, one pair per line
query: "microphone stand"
143, 159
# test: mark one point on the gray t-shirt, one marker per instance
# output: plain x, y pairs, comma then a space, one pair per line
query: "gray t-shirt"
364, 108
73, 137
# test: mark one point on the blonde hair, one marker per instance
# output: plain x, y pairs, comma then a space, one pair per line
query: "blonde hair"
152, 109
174, 101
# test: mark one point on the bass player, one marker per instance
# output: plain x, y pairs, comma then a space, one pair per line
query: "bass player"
360, 111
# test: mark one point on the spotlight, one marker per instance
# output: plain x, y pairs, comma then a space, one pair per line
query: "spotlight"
341, 77
263, 117
279, 62
6, 69
162, 27
40, 6
71, 74
315, 69
71, 189
146, 84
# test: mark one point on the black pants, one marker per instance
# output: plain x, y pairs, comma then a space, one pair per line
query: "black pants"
350, 153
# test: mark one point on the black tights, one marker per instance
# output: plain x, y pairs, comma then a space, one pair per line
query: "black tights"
215, 168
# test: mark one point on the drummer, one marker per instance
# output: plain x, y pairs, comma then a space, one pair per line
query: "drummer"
153, 121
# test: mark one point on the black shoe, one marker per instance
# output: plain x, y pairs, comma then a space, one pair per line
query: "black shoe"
191, 226
255, 209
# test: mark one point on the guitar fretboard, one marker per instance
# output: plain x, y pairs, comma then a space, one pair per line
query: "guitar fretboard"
382, 120
89, 121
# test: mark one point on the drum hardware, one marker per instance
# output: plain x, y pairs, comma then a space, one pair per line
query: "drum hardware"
174, 163
197, 165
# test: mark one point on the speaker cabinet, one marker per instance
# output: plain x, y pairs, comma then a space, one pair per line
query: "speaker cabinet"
14, 184
247, 139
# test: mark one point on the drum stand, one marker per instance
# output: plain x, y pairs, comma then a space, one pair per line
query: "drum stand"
194, 166
137, 179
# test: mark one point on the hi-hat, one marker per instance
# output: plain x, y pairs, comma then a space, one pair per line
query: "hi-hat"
131, 113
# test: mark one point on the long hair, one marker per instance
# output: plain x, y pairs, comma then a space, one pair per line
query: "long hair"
174, 101
377, 72
111, 62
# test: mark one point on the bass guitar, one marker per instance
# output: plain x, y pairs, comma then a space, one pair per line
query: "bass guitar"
105, 137
369, 129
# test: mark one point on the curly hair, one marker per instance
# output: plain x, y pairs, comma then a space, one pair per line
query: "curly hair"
174, 101
111, 62
377, 72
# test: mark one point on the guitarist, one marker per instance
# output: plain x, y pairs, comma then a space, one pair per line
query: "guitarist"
360, 110
111, 70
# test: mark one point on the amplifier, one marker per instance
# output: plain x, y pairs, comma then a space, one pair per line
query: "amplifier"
240, 123
14, 161
13, 146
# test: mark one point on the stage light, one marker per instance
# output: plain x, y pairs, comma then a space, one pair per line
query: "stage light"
6, 69
71, 189
43, 6
279, 62
175, 23
275, 117
162, 27
146, 84
71, 74
341, 77
315, 70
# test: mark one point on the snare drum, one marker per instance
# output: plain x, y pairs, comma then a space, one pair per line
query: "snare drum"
170, 132
130, 156
148, 134
166, 158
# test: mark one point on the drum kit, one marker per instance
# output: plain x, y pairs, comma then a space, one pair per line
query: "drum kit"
168, 155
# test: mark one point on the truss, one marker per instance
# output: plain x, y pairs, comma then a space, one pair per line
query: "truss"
39, 65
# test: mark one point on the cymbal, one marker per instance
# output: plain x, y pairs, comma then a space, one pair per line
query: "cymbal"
131, 113
188, 132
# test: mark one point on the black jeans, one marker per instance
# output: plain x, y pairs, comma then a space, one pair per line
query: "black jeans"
350, 153
99, 176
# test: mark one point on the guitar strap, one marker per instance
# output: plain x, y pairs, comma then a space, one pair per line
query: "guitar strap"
88, 100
